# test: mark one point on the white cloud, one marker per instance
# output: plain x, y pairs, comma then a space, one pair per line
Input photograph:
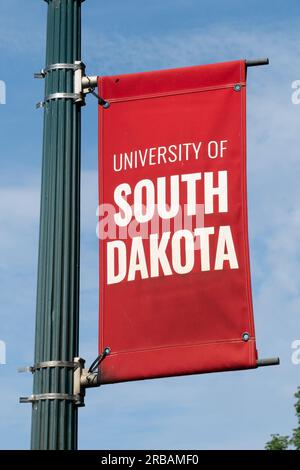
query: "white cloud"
117, 53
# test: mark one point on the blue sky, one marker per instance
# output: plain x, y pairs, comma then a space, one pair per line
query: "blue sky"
226, 411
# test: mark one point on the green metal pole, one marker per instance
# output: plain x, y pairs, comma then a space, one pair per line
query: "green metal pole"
54, 422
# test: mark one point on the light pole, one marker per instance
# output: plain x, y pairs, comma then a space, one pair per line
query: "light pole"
54, 414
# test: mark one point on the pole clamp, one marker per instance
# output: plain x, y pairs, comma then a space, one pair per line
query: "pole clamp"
56, 96
59, 66
46, 364
49, 396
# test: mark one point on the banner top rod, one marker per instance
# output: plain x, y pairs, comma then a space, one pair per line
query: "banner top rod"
257, 62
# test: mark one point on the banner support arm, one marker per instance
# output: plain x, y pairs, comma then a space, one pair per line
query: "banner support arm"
271, 361
257, 62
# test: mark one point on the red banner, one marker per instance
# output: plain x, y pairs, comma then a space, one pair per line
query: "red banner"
175, 292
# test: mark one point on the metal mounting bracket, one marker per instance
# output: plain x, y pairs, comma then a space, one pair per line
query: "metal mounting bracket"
83, 379
77, 95
89, 84
83, 84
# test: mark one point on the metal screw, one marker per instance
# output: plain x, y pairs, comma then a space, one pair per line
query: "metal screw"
237, 87
106, 105
106, 351
246, 336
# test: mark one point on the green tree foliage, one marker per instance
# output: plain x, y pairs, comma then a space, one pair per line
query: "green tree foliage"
295, 440
278, 442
